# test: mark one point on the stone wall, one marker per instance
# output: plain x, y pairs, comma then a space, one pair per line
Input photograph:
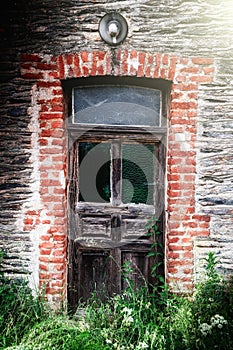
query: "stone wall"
175, 28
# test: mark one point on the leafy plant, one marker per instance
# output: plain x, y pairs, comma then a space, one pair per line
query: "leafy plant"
212, 309
137, 319
157, 248
19, 310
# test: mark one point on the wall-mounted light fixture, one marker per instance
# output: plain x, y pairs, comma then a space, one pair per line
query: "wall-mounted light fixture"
113, 28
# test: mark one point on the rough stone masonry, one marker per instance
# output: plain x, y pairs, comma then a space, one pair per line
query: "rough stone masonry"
44, 43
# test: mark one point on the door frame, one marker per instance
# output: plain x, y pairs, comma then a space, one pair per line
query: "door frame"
77, 132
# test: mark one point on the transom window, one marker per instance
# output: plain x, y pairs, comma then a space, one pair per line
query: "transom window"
116, 105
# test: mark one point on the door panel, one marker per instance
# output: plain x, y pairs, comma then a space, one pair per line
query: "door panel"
133, 228
138, 266
95, 227
93, 273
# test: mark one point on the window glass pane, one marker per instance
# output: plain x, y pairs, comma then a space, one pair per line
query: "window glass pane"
94, 172
116, 105
138, 173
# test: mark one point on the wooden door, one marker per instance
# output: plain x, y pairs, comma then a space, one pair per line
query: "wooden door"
116, 186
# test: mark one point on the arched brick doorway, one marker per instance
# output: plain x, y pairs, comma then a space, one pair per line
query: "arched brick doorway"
49, 109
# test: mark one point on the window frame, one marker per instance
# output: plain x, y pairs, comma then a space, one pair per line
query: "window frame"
140, 134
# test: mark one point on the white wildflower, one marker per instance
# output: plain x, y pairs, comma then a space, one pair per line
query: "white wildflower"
205, 329
142, 345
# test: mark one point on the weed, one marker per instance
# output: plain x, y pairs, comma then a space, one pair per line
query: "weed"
137, 319
19, 310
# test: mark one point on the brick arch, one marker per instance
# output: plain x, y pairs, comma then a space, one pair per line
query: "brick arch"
50, 217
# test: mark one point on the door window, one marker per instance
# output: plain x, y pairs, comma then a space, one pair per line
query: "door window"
103, 177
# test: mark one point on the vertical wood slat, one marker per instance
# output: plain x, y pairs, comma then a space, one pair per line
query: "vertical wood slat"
116, 173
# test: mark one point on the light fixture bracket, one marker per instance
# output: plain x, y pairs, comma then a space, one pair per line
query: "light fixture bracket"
113, 28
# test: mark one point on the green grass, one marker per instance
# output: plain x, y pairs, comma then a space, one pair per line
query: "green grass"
134, 320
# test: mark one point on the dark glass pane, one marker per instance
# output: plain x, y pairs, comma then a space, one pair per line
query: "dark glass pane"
117, 105
138, 173
94, 172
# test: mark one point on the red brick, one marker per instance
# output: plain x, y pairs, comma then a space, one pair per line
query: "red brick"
28, 221
53, 291
57, 124
108, 63
192, 70
58, 260
45, 237
204, 225
54, 75
173, 240
124, 64
69, 59
59, 238
183, 105
174, 161
48, 84
208, 70
46, 66
180, 78
32, 212
59, 267
55, 199
35, 76
46, 245
201, 217
84, 56
59, 284
94, 64
157, 66
202, 60
163, 73
188, 255
48, 182
56, 108
45, 259
183, 169
46, 221
174, 194
165, 59
186, 240
58, 252
174, 186
45, 251
43, 267
57, 142
85, 71
201, 79
59, 158
49, 115
172, 255
100, 70
172, 68
187, 87
57, 91
60, 221
70, 72
30, 58
149, 65
173, 177
172, 270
